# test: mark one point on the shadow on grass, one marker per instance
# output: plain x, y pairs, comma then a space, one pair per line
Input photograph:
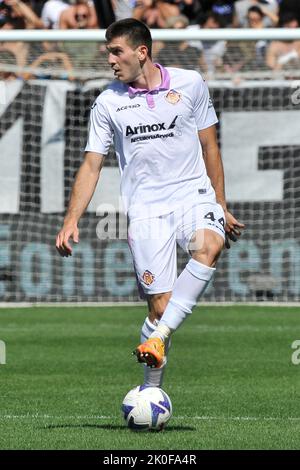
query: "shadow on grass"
111, 427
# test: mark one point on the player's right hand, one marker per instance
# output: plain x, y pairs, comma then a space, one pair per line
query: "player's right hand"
62, 240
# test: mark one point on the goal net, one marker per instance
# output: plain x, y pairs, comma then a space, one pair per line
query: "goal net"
47, 87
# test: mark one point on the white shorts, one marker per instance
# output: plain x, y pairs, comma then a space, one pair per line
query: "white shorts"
153, 243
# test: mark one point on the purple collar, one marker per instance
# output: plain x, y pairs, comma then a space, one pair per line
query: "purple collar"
165, 85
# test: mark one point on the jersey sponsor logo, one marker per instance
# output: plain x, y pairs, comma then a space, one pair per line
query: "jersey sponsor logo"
142, 138
173, 123
173, 97
148, 278
147, 128
129, 106
144, 128
210, 103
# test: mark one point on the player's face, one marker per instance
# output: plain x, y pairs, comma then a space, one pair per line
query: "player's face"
124, 59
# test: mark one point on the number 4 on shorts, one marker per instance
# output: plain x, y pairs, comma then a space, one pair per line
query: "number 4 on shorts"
210, 215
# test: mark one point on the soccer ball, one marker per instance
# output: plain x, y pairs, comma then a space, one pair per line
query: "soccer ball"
146, 408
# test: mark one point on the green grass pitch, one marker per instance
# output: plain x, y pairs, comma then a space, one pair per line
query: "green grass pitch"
230, 377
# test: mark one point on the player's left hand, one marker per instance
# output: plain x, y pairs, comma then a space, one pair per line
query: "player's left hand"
232, 229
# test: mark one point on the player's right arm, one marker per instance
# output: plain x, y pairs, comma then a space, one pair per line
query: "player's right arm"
82, 192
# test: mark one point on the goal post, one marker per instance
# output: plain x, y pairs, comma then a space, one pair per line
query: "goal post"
49, 80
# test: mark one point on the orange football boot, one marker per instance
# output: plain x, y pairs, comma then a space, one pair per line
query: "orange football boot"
151, 352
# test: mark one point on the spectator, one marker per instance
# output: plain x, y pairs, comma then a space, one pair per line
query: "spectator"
147, 12
51, 12
15, 14
81, 15
192, 9
285, 54
154, 13
123, 8
7, 64
289, 6
50, 65
255, 18
247, 55
241, 8
212, 51
179, 54
257, 14
224, 9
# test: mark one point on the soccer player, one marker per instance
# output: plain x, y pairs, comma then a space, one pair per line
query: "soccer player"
162, 121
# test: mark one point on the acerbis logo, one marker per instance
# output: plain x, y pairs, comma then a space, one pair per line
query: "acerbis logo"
145, 128
130, 106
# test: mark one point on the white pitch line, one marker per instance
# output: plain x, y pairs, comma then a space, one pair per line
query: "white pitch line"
200, 418
242, 418
37, 416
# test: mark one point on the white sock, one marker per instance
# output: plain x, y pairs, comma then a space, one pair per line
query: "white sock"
189, 286
153, 377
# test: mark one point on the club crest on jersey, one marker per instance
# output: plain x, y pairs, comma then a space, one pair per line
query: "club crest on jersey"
173, 97
148, 278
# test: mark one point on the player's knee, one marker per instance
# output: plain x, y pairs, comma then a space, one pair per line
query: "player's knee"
210, 250
157, 304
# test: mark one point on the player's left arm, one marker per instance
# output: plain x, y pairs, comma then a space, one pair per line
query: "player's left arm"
214, 167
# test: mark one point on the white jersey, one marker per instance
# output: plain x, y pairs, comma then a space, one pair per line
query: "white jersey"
51, 12
156, 141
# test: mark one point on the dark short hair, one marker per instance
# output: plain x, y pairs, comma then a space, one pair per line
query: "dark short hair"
221, 20
287, 18
138, 33
255, 9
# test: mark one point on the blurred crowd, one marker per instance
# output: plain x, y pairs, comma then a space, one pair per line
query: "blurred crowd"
208, 56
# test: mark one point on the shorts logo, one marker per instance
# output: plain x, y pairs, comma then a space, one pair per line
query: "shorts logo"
173, 97
148, 278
